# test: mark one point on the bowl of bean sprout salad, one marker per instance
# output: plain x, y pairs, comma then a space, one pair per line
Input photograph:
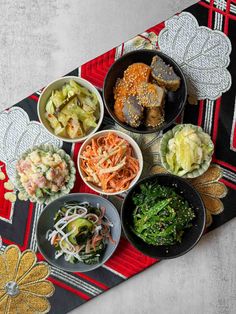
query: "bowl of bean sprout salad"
78, 232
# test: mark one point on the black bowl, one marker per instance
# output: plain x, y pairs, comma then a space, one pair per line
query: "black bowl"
191, 236
175, 101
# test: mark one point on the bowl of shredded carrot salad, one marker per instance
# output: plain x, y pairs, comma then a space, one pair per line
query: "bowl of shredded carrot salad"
110, 162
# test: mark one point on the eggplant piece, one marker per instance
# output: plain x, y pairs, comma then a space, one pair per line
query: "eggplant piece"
150, 95
133, 111
154, 116
164, 74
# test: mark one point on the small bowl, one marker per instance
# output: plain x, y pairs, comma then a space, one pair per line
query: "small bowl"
45, 222
69, 185
137, 154
163, 150
57, 84
191, 236
175, 101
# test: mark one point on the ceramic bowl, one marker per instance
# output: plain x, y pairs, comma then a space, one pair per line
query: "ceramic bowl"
45, 222
163, 151
174, 102
191, 235
57, 84
136, 151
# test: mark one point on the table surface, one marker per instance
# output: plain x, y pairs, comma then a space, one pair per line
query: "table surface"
41, 41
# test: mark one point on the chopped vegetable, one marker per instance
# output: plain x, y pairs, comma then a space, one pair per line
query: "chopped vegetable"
188, 149
72, 111
80, 232
108, 163
42, 173
161, 215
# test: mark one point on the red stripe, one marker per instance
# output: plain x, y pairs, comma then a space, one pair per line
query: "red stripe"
35, 98
210, 14
234, 135
229, 184
127, 260
93, 281
9, 242
216, 120
227, 11
68, 288
232, 17
122, 49
200, 112
223, 163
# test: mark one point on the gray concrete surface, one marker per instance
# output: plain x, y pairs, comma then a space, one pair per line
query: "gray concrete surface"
41, 40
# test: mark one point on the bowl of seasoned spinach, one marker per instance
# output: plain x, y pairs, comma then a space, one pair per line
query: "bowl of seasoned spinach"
163, 216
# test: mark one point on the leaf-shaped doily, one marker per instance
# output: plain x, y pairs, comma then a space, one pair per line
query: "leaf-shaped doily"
18, 134
202, 53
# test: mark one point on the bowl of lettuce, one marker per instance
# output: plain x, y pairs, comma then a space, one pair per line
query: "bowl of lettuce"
70, 108
186, 151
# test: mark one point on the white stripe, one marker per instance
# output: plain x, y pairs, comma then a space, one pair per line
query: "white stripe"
114, 271
76, 282
205, 126
232, 8
229, 174
218, 23
208, 116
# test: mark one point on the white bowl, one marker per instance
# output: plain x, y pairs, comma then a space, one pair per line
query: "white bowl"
136, 151
57, 84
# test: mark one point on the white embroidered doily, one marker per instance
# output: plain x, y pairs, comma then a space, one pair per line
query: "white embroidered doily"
18, 133
202, 53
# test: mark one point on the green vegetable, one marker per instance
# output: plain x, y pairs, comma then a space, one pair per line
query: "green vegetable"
188, 149
161, 215
39, 192
72, 111
81, 228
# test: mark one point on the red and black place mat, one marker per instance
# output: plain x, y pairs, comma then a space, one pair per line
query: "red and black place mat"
208, 58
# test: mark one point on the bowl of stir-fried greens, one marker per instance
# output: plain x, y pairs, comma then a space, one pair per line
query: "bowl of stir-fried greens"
163, 216
78, 232
70, 108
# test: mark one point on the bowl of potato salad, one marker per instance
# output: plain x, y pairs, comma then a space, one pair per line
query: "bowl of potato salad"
70, 108
44, 173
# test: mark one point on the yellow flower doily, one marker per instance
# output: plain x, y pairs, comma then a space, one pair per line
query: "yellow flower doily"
210, 189
23, 284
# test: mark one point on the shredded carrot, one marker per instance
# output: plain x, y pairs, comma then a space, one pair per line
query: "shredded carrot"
108, 163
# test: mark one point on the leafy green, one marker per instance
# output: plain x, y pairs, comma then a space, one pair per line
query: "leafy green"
160, 215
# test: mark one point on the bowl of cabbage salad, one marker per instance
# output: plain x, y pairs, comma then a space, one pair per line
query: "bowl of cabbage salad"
71, 109
186, 151
44, 173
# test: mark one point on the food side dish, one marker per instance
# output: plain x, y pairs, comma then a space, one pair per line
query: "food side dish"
161, 215
108, 163
140, 94
80, 232
188, 149
72, 111
42, 173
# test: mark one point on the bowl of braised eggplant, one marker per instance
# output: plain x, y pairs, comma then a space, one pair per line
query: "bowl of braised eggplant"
144, 91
